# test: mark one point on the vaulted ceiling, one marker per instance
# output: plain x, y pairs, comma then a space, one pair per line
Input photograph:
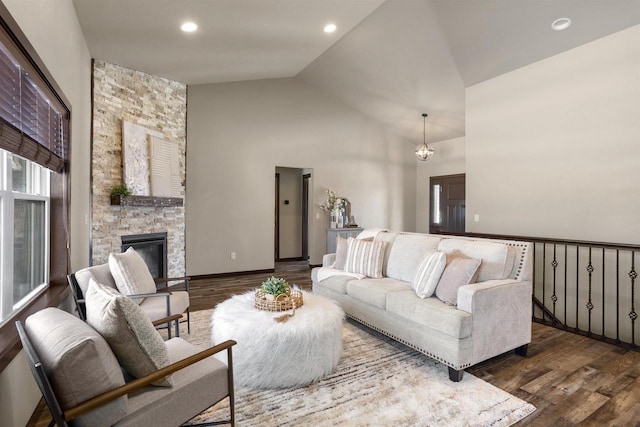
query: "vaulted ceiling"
391, 60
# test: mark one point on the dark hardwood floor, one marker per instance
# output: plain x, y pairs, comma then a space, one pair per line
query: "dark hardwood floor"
572, 380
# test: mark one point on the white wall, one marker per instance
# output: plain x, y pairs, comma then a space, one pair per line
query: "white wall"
449, 159
239, 132
552, 149
53, 30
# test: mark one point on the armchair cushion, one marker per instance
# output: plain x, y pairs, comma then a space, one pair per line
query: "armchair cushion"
100, 273
131, 335
195, 387
131, 274
78, 362
156, 307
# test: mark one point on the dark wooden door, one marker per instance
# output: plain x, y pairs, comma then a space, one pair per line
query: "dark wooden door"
447, 204
305, 216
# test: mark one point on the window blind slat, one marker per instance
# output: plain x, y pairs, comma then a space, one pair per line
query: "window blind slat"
33, 125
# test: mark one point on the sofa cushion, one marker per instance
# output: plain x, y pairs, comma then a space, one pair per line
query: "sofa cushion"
497, 258
406, 253
129, 332
131, 274
342, 248
79, 363
365, 257
337, 283
430, 312
428, 274
374, 291
389, 237
319, 274
460, 271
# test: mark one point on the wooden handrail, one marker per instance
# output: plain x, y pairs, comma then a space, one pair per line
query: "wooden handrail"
106, 397
167, 319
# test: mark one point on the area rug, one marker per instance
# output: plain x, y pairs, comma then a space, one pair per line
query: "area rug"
377, 382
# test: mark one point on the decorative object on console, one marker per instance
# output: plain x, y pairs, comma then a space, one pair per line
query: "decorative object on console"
339, 208
424, 151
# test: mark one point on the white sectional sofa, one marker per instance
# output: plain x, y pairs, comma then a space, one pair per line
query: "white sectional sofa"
492, 314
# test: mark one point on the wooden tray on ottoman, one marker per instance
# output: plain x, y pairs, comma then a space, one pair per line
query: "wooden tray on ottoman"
282, 302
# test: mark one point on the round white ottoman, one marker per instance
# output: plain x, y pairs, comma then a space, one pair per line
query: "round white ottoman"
270, 354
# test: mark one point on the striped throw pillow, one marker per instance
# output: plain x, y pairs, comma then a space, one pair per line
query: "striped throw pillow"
428, 274
365, 257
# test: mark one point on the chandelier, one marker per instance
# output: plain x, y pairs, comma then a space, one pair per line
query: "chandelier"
424, 151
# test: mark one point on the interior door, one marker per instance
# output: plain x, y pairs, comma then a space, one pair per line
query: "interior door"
305, 216
447, 204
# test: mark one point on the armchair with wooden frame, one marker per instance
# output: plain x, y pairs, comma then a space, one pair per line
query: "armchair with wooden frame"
73, 365
162, 307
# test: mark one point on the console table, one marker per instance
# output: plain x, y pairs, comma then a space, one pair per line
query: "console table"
332, 233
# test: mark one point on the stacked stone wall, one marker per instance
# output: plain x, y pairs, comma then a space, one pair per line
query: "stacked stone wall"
158, 104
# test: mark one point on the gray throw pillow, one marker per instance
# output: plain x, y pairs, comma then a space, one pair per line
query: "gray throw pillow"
129, 332
342, 248
459, 271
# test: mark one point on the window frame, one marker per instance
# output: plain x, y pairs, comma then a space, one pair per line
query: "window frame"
59, 246
39, 191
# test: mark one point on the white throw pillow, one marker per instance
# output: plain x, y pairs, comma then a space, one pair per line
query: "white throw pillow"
428, 273
131, 274
365, 257
137, 345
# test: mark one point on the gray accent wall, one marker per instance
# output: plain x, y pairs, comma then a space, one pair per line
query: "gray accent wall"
552, 148
239, 132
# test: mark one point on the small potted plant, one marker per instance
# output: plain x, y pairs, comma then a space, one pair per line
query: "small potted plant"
119, 191
275, 286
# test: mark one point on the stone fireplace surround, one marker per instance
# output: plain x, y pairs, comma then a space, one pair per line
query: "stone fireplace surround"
155, 103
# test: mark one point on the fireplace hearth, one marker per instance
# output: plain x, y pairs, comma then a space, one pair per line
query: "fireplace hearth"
152, 247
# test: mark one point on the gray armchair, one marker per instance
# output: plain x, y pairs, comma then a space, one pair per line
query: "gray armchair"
161, 307
83, 385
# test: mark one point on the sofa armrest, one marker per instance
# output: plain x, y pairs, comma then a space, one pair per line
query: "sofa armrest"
501, 312
467, 293
328, 260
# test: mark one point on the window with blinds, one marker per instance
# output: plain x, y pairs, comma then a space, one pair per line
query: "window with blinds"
33, 123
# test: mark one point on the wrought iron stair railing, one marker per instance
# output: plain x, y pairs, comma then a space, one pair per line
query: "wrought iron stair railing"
588, 288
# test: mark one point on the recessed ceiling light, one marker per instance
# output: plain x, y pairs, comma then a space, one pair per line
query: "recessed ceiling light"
330, 28
189, 27
561, 24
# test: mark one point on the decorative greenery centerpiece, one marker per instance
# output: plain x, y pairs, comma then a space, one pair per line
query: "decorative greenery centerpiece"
275, 294
275, 286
